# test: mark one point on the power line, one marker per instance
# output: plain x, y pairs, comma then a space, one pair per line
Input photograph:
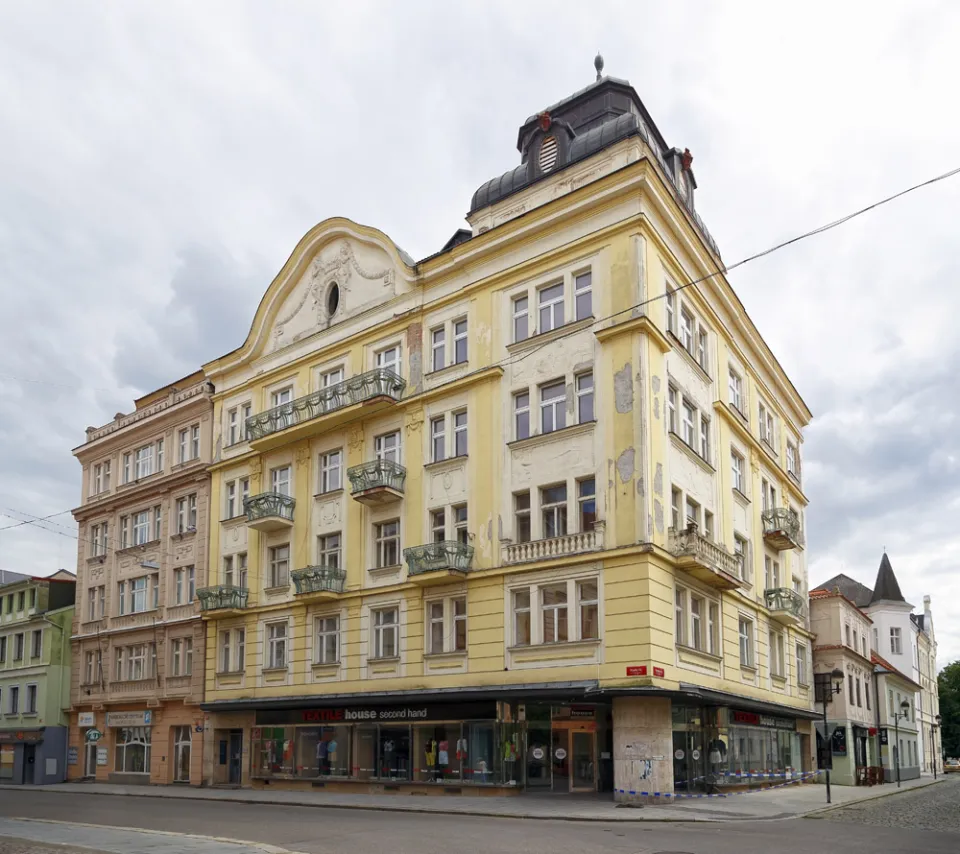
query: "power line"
32, 521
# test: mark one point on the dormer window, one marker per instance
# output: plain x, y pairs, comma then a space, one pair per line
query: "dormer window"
548, 153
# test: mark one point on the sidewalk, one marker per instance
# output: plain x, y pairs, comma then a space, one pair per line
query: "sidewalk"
786, 802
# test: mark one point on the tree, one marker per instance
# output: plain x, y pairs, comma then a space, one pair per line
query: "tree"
948, 682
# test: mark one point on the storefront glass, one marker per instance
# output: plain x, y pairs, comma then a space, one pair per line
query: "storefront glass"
6, 761
273, 752
322, 751
132, 750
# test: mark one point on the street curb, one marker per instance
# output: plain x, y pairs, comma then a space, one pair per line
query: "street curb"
820, 811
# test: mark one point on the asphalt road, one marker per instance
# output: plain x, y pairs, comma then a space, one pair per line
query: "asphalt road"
860, 830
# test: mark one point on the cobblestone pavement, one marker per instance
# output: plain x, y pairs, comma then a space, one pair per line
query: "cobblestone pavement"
933, 808
26, 846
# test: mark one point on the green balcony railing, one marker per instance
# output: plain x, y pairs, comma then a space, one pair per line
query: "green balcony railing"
380, 382
448, 554
377, 474
784, 599
269, 504
319, 579
222, 596
784, 521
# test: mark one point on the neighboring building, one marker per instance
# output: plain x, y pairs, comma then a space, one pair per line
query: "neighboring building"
36, 615
138, 642
844, 634
899, 731
526, 513
906, 644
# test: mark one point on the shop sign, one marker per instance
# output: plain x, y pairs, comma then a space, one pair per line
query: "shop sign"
378, 714
94, 735
86, 719
753, 719
579, 712
20, 736
560, 753
128, 719
637, 670
102, 756
658, 671
838, 741
884, 739
72, 756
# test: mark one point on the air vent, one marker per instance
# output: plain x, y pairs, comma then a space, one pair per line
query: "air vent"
548, 153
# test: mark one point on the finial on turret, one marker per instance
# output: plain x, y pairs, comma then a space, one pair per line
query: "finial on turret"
598, 64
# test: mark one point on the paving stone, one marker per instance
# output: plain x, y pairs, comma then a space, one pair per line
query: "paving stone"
932, 808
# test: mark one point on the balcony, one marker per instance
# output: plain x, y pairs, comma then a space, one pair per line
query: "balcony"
222, 597
570, 544
781, 529
436, 563
321, 410
269, 511
785, 605
705, 560
378, 482
318, 582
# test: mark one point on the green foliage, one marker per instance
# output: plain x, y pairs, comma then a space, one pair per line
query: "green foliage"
948, 682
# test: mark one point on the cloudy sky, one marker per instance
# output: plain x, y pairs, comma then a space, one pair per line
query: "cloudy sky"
159, 162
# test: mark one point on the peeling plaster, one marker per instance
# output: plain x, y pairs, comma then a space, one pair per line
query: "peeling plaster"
656, 408
640, 490
625, 465
490, 529
649, 524
658, 512
623, 389
655, 384
658, 480
571, 400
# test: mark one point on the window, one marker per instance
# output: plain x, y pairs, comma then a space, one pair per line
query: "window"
281, 396
280, 480
521, 617
713, 628
705, 437
460, 434
772, 572
583, 295
279, 562
233, 426
92, 603
157, 521
521, 510
776, 654
585, 398
438, 525
588, 604
676, 499
331, 378
184, 445
766, 425
331, 471
553, 411
848, 635
460, 523
97, 486
385, 632
389, 359
231, 500
276, 645
876, 639
793, 460
3, 649
136, 662
328, 550
185, 585
181, 661
857, 685
126, 468
737, 465
696, 622
686, 330
866, 691
439, 345
141, 528
551, 307
708, 524
735, 387
521, 414
195, 442
702, 348
460, 341
438, 438
521, 326
143, 462
232, 650
553, 605
447, 625
688, 428
746, 642
553, 504
670, 302
896, 645
692, 512
14, 704
587, 499
187, 514
850, 687
327, 649
672, 409
98, 539
387, 446
21, 600
89, 672
388, 543
36, 643
246, 410
801, 658
680, 615
132, 750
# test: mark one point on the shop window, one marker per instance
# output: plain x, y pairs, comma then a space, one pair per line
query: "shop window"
439, 751
273, 753
322, 751
132, 750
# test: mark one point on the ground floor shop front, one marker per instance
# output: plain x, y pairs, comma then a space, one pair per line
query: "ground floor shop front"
137, 745
627, 746
33, 757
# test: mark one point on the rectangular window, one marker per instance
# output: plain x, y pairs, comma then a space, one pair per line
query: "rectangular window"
459, 623
553, 409
246, 410
387, 447
713, 628
185, 585
122, 598
686, 330
231, 500
776, 654
702, 348
195, 442
583, 295
279, 561
143, 462
866, 692
157, 521
276, 645
521, 617
521, 414
746, 642
331, 378
521, 510
708, 524
550, 301
587, 499
705, 438
438, 525
389, 360
737, 467
329, 550
97, 487
233, 426
183, 445
857, 686
126, 468
438, 438
327, 650
460, 434
588, 603
92, 603
14, 705
331, 471
676, 500
849, 636
439, 347
136, 662
388, 543
670, 303
31, 708
553, 505
36, 643
792, 459
689, 426
585, 398
460, 523
138, 595
281, 397
680, 615
553, 607
435, 627
521, 325
88, 669
181, 659
801, 655
141, 528
232, 650
229, 578
672, 397
385, 633
460, 341
772, 572
696, 622
766, 425
280, 480
692, 512
896, 644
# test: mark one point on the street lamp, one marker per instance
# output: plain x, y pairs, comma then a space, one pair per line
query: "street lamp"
933, 743
905, 711
826, 685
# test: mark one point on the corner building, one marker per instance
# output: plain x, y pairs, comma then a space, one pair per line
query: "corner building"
524, 515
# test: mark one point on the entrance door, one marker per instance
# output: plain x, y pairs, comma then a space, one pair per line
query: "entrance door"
235, 757
182, 744
560, 759
90, 759
538, 755
583, 753
29, 763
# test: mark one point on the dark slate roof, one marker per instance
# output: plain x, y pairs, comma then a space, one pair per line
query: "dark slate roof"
886, 588
856, 592
461, 235
918, 621
9, 577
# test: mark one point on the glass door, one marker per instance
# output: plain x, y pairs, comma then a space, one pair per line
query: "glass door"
583, 761
90, 764
538, 755
181, 754
560, 760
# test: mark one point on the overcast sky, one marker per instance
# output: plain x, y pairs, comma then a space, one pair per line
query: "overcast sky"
159, 162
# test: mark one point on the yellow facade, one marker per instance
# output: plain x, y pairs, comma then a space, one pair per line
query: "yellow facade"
619, 220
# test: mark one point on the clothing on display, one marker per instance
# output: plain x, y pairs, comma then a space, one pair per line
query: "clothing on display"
444, 753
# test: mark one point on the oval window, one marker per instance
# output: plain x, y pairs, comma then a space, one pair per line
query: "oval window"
333, 299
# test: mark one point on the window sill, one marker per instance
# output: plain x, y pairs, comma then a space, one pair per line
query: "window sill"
446, 369
138, 481
232, 520
806, 686
749, 668
690, 452
743, 418
31, 715
552, 335
700, 653
794, 477
445, 656
384, 659
185, 464
141, 546
440, 464
689, 357
384, 570
741, 497
330, 493
551, 645
554, 435
96, 559
179, 535
275, 591
771, 451
325, 665
138, 613
231, 672
283, 669
780, 680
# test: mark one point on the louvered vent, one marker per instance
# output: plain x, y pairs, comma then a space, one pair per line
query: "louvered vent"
548, 154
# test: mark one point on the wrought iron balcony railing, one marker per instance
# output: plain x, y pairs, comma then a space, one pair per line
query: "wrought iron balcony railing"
380, 382
268, 505
319, 579
378, 474
781, 528
784, 600
222, 596
445, 555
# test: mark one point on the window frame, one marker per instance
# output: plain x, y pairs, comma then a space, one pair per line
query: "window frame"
330, 462
746, 644
585, 393
382, 541
585, 291
276, 644
382, 628
278, 565
554, 408
551, 307
326, 628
